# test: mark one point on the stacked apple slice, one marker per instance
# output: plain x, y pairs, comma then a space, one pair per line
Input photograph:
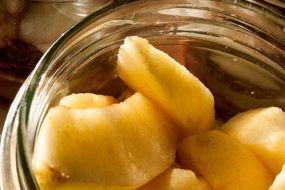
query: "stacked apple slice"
121, 146
224, 162
176, 179
87, 100
95, 142
168, 84
263, 132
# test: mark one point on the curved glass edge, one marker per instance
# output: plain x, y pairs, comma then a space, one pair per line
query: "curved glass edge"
6, 147
42, 64
25, 94
278, 3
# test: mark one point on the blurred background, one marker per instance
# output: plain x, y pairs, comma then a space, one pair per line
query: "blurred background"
27, 30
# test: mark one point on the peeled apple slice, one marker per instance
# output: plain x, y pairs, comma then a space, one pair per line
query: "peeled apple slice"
116, 147
176, 179
87, 100
263, 132
167, 83
279, 182
224, 162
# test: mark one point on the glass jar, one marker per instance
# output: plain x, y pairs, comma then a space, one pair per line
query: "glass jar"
236, 47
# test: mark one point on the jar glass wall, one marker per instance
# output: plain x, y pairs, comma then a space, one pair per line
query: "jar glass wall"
236, 48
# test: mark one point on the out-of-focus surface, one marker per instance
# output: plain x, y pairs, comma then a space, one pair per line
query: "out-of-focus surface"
3, 113
27, 29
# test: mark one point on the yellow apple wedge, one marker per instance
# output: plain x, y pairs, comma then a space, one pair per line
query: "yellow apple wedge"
223, 162
87, 100
176, 179
167, 83
263, 132
121, 146
279, 182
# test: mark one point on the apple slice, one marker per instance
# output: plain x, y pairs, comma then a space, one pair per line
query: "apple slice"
122, 146
87, 100
263, 132
176, 179
224, 162
279, 182
167, 83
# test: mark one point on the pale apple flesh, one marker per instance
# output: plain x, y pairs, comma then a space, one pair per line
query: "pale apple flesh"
176, 179
279, 181
224, 162
263, 132
87, 100
167, 83
104, 146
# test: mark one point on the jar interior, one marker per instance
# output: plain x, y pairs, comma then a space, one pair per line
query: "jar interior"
241, 61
